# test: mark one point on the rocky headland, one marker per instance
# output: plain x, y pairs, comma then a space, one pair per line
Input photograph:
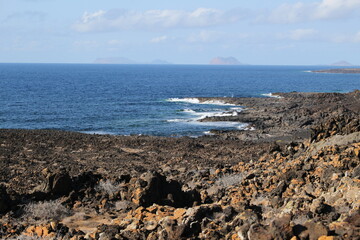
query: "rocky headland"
294, 174
339, 70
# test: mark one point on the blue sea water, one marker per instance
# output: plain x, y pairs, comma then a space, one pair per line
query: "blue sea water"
134, 99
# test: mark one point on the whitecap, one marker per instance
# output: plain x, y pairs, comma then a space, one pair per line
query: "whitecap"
271, 95
238, 109
187, 100
188, 110
217, 102
223, 124
197, 101
178, 120
98, 132
209, 133
203, 115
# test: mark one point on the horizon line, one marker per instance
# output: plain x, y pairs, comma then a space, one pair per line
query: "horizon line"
189, 64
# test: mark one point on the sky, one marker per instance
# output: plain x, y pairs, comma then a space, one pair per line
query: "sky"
303, 32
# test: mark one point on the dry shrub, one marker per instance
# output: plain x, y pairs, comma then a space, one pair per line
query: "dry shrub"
107, 187
230, 180
45, 211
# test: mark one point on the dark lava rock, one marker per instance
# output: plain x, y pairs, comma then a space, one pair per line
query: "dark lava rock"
259, 232
57, 184
5, 201
278, 191
108, 231
274, 147
153, 187
342, 125
85, 180
356, 172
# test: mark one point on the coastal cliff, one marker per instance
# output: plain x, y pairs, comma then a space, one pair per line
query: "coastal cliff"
293, 174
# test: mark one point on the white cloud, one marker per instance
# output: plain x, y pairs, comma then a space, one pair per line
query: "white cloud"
301, 34
206, 36
88, 17
357, 37
114, 42
335, 8
347, 38
159, 39
117, 19
320, 10
85, 43
28, 16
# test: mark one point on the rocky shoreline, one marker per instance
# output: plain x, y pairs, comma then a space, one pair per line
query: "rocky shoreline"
339, 70
294, 175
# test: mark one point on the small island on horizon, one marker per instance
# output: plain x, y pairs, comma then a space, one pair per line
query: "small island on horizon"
339, 70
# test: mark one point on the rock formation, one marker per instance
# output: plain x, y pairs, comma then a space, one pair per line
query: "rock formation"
62, 185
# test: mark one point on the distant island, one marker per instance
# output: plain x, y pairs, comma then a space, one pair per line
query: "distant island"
339, 70
342, 63
225, 61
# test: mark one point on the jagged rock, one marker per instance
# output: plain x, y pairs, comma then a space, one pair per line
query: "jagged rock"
108, 232
354, 219
280, 188
85, 180
259, 232
280, 228
343, 124
274, 147
298, 191
56, 184
320, 207
5, 201
313, 231
153, 187
356, 172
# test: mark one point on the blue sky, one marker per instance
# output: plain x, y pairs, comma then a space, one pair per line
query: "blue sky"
304, 32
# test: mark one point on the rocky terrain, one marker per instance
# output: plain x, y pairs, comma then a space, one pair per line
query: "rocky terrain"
339, 70
294, 174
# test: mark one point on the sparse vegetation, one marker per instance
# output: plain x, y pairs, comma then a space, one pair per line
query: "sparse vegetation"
229, 180
45, 211
107, 187
24, 237
122, 205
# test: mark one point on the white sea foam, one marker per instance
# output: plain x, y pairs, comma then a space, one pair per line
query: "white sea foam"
188, 110
203, 115
217, 102
98, 132
199, 115
271, 95
178, 120
223, 124
187, 100
209, 133
197, 101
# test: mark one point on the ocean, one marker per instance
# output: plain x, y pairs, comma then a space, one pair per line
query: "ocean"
144, 99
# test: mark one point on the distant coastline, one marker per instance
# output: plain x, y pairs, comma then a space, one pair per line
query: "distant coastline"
339, 70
